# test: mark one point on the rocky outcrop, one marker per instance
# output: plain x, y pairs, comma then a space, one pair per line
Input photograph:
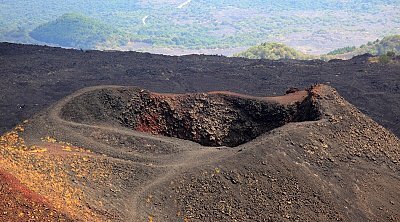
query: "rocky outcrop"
213, 119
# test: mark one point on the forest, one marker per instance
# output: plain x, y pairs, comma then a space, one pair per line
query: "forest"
315, 27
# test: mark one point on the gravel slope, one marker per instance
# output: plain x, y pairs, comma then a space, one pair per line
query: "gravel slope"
34, 77
338, 165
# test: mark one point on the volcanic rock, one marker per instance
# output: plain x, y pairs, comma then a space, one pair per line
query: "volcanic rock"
127, 154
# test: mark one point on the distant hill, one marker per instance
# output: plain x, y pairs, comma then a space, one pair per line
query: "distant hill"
273, 51
211, 27
378, 47
74, 30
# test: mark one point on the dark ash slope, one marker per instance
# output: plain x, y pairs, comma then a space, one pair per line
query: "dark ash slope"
214, 119
338, 165
33, 77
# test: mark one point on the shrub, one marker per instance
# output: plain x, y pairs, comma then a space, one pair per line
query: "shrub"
390, 54
384, 59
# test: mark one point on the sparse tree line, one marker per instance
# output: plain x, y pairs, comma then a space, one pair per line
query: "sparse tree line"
386, 49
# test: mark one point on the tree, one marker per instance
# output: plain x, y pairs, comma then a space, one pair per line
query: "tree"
391, 54
384, 59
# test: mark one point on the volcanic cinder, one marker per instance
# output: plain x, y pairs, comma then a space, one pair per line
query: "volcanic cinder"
128, 154
34, 77
213, 119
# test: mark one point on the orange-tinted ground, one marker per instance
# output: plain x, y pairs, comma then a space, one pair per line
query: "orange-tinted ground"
18, 203
50, 169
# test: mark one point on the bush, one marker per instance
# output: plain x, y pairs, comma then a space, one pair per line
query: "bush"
390, 54
273, 51
384, 59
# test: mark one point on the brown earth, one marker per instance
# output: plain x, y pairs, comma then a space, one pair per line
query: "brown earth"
306, 156
34, 77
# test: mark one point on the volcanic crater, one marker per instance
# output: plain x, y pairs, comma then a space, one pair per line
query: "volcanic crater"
84, 155
210, 119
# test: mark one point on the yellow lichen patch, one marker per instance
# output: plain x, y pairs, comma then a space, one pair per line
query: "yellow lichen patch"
53, 175
373, 59
10, 139
67, 148
70, 148
148, 199
39, 150
84, 150
19, 128
49, 139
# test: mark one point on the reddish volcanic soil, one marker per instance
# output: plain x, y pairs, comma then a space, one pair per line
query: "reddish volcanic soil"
18, 203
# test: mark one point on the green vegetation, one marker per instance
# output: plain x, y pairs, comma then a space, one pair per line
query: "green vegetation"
386, 48
381, 47
74, 30
391, 54
273, 51
384, 59
201, 24
342, 50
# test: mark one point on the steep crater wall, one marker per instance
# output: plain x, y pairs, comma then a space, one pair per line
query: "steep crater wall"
213, 119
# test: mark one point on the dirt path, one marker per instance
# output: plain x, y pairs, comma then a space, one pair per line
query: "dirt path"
306, 169
184, 4
190, 154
